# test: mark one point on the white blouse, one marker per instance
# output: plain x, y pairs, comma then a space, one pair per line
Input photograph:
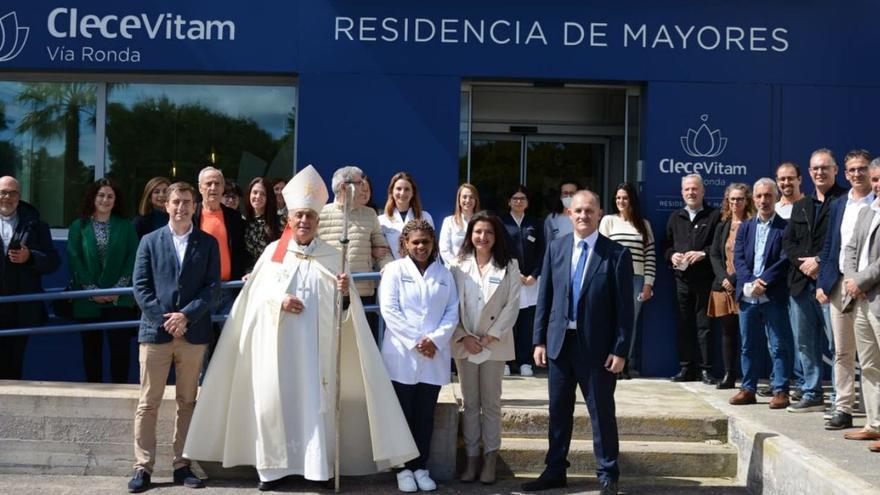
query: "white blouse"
392, 227
451, 239
416, 305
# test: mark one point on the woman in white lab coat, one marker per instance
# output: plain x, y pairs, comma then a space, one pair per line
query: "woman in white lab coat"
403, 204
419, 303
467, 202
488, 281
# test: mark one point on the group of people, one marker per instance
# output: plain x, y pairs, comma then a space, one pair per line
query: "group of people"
788, 273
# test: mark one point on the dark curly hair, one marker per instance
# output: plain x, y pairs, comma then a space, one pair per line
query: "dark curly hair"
416, 225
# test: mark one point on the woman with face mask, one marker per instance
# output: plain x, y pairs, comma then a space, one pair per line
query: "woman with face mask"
557, 223
629, 228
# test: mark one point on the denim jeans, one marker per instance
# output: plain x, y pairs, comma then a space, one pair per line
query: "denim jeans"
756, 322
634, 347
808, 322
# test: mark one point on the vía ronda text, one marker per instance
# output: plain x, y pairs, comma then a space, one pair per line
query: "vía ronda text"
671, 166
568, 33
64, 22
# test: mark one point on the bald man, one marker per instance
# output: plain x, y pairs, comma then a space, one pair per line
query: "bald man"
28, 254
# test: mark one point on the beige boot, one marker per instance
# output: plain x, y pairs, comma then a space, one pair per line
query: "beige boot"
469, 475
487, 475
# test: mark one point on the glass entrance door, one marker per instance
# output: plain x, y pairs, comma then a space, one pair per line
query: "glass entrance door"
501, 161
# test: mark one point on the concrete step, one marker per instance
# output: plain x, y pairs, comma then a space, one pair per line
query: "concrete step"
637, 458
533, 423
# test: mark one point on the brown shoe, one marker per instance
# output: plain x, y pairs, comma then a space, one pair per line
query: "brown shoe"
780, 400
862, 435
874, 447
743, 397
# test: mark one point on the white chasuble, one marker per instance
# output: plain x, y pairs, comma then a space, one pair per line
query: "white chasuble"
268, 398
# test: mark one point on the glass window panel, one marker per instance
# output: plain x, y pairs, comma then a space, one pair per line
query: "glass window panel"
47, 141
495, 164
550, 162
174, 130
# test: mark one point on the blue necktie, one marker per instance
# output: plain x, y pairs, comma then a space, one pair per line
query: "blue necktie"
577, 280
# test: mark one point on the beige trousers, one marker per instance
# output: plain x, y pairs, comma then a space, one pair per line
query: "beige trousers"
844, 351
156, 360
481, 397
867, 332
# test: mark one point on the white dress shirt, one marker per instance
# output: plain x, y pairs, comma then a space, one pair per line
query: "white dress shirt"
848, 226
180, 243
7, 230
392, 227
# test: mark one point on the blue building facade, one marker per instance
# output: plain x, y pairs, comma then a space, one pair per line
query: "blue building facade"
490, 92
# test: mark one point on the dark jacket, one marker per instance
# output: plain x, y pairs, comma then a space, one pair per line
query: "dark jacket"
239, 257
144, 224
829, 268
526, 240
775, 263
718, 257
26, 278
163, 285
805, 234
683, 235
88, 273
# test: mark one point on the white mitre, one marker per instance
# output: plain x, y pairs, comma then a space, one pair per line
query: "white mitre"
306, 190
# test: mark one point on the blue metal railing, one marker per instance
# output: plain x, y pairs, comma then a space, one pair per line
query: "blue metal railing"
59, 293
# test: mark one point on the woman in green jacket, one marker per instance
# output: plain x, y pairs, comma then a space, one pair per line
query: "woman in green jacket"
101, 248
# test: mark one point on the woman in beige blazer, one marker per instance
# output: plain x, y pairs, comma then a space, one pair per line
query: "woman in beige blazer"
488, 282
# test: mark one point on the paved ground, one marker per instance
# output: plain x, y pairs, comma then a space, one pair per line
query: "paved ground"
51, 485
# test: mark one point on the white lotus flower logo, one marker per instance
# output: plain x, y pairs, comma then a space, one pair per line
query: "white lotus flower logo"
12, 37
703, 142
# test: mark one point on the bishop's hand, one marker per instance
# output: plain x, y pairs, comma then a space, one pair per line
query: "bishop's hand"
292, 304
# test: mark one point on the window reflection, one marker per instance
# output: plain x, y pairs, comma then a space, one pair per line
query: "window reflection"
47, 136
174, 130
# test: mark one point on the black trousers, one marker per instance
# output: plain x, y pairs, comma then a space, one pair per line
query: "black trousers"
523, 332
12, 355
730, 342
418, 402
694, 326
572, 369
119, 341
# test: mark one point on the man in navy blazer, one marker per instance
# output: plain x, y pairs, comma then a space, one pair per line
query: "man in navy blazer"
829, 287
582, 323
176, 282
762, 292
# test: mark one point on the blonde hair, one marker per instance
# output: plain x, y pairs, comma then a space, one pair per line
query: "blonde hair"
456, 217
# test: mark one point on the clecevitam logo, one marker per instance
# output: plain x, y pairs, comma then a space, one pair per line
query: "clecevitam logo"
703, 142
12, 37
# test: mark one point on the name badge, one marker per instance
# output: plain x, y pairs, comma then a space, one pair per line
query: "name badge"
494, 280
441, 283
407, 278
530, 238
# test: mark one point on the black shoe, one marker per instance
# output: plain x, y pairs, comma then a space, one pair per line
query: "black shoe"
685, 375
765, 391
839, 420
268, 486
545, 482
624, 375
707, 378
140, 481
608, 488
796, 394
729, 381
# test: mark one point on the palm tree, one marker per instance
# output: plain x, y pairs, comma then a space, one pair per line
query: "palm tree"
57, 109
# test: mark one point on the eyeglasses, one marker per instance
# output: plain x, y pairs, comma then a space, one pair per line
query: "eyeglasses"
858, 171
736, 200
6, 193
519, 198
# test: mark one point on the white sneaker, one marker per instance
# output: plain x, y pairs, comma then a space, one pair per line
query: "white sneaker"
506, 370
423, 478
526, 370
405, 482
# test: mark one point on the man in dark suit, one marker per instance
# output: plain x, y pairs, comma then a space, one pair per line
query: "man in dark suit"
762, 292
176, 279
28, 254
830, 288
582, 323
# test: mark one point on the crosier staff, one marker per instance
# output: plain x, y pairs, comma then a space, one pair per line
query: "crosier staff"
343, 241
